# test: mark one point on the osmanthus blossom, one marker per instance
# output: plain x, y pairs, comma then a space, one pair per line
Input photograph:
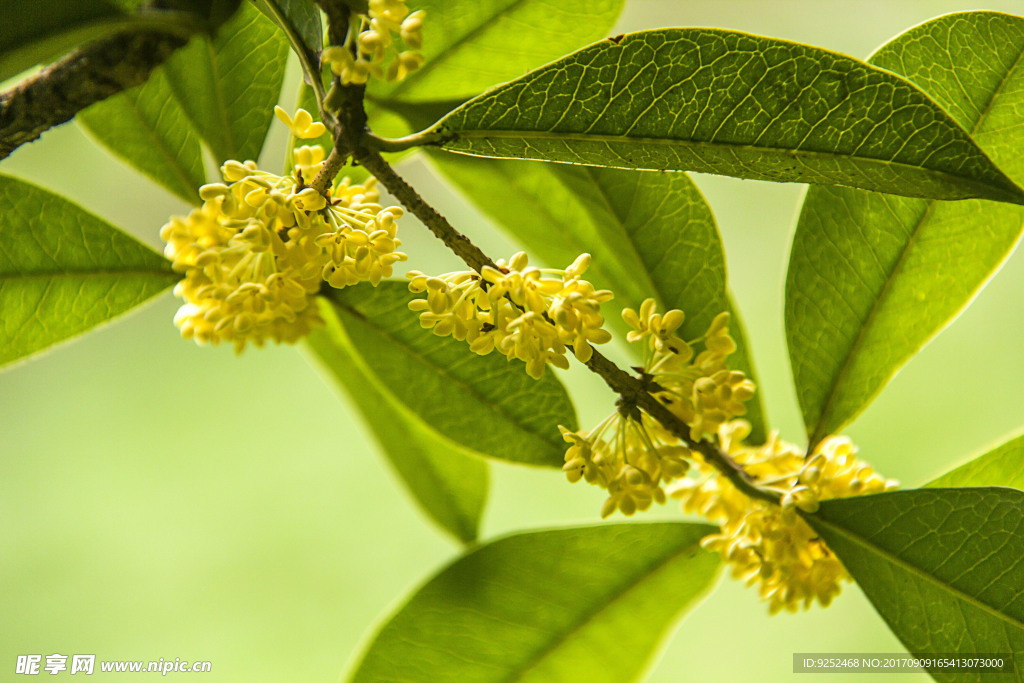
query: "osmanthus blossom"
257, 251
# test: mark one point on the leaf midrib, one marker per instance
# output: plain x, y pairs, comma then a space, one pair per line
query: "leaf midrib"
623, 592
919, 573
185, 191
80, 274
829, 405
218, 94
483, 400
451, 136
431, 444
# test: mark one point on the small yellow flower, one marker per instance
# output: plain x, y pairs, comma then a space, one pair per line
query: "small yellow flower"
372, 39
302, 125
521, 311
771, 545
259, 248
632, 459
700, 390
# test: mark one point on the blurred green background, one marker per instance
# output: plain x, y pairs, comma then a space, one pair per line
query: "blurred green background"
163, 500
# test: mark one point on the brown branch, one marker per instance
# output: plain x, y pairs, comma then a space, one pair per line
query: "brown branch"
470, 254
87, 75
338, 12
633, 391
352, 138
621, 382
325, 178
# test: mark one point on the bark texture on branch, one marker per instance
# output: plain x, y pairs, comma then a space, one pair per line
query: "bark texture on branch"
85, 76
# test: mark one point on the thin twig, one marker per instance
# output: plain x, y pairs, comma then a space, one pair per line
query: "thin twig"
325, 178
351, 137
621, 382
428, 215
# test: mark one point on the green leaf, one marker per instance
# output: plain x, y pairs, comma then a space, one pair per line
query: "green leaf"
228, 87
298, 18
944, 567
584, 604
470, 46
483, 403
300, 21
449, 483
36, 33
64, 271
147, 128
1002, 466
650, 235
730, 103
873, 278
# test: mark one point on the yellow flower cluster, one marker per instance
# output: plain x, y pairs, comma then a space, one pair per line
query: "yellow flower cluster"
699, 389
631, 455
770, 544
259, 247
371, 40
521, 311
638, 462
632, 459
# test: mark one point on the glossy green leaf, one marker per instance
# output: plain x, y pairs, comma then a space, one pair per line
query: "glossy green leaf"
873, 278
449, 483
1001, 466
730, 103
585, 604
228, 87
943, 567
300, 21
650, 235
483, 403
34, 33
64, 271
147, 128
470, 46
299, 18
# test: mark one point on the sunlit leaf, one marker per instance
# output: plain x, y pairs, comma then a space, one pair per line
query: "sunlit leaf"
450, 484
943, 567
228, 87
147, 127
873, 278
650, 235
730, 103
470, 46
483, 403
299, 19
1001, 466
585, 604
64, 271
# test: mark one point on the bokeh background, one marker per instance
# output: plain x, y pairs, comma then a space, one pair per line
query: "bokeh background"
163, 500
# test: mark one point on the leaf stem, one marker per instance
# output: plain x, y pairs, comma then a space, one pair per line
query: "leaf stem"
425, 137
